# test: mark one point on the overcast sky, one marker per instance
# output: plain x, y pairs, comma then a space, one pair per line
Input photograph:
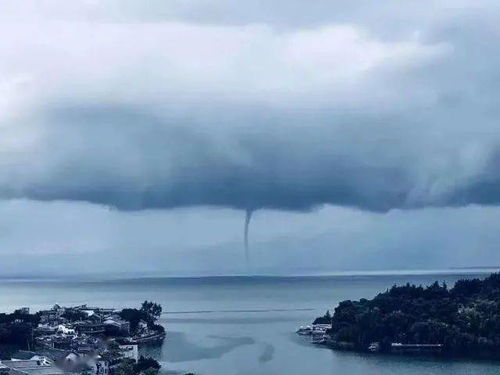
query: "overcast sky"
362, 135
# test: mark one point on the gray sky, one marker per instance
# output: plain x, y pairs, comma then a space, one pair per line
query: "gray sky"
135, 134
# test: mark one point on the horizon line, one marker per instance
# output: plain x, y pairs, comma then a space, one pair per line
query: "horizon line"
100, 277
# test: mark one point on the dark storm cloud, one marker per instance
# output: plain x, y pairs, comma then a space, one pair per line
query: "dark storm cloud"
334, 108
132, 160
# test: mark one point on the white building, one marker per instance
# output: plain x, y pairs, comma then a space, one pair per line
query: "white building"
61, 328
130, 351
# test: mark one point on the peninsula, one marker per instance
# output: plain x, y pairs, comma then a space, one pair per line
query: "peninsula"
80, 340
461, 321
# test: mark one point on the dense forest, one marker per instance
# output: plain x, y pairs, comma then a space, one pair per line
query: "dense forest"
465, 319
17, 327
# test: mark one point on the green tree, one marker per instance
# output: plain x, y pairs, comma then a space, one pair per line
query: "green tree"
146, 363
151, 309
150, 371
126, 367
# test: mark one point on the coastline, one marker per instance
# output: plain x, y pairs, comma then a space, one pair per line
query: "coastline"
458, 322
281, 309
100, 278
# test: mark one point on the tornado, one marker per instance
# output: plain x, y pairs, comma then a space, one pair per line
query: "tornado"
248, 217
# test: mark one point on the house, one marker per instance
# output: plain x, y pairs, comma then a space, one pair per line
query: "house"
32, 367
105, 311
318, 337
51, 316
322, 323
130, 352
89, 313
55, 355
56, 342
81, 307
65, 330
321, 327
117, 326
46, 329
24, 355
90, 328
23, 310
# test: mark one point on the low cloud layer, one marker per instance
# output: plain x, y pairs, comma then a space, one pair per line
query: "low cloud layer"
258, 113
61, 238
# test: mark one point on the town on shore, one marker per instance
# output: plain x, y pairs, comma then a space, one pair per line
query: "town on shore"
80, 340
462, 321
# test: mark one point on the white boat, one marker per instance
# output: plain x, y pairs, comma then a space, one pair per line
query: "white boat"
305, 331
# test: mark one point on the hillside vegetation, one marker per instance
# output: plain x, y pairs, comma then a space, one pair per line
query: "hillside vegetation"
464, 319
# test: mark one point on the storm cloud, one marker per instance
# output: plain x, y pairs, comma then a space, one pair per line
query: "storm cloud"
136, 109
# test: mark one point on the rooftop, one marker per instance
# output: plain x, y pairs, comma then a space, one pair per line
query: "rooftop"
32, 367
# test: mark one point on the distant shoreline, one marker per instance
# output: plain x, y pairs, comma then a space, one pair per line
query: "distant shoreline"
476, 268
458, 271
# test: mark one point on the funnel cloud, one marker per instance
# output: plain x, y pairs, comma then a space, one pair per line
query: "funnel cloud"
248, 218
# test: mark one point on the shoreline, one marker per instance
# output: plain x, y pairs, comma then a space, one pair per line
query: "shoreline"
457, 322
97, 279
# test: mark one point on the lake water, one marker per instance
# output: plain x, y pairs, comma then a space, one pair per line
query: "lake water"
244, 326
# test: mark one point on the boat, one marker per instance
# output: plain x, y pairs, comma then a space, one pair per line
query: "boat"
305, 331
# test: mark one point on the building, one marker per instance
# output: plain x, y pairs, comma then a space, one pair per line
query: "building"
23, 310
130, 352
321, 327
32, 367
51, 316
90, 328
63, 329
46, 329
117, 326
24, 355
54, 355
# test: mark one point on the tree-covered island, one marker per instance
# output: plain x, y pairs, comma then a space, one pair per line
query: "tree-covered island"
462, 321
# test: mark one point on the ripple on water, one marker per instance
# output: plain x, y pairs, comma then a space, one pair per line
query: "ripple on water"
267, 353
179, 349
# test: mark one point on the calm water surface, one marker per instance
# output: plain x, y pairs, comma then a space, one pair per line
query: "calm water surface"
244, 326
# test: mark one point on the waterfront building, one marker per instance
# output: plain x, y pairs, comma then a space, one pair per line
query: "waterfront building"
130, 352
90, 328
116, 325
32, 367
